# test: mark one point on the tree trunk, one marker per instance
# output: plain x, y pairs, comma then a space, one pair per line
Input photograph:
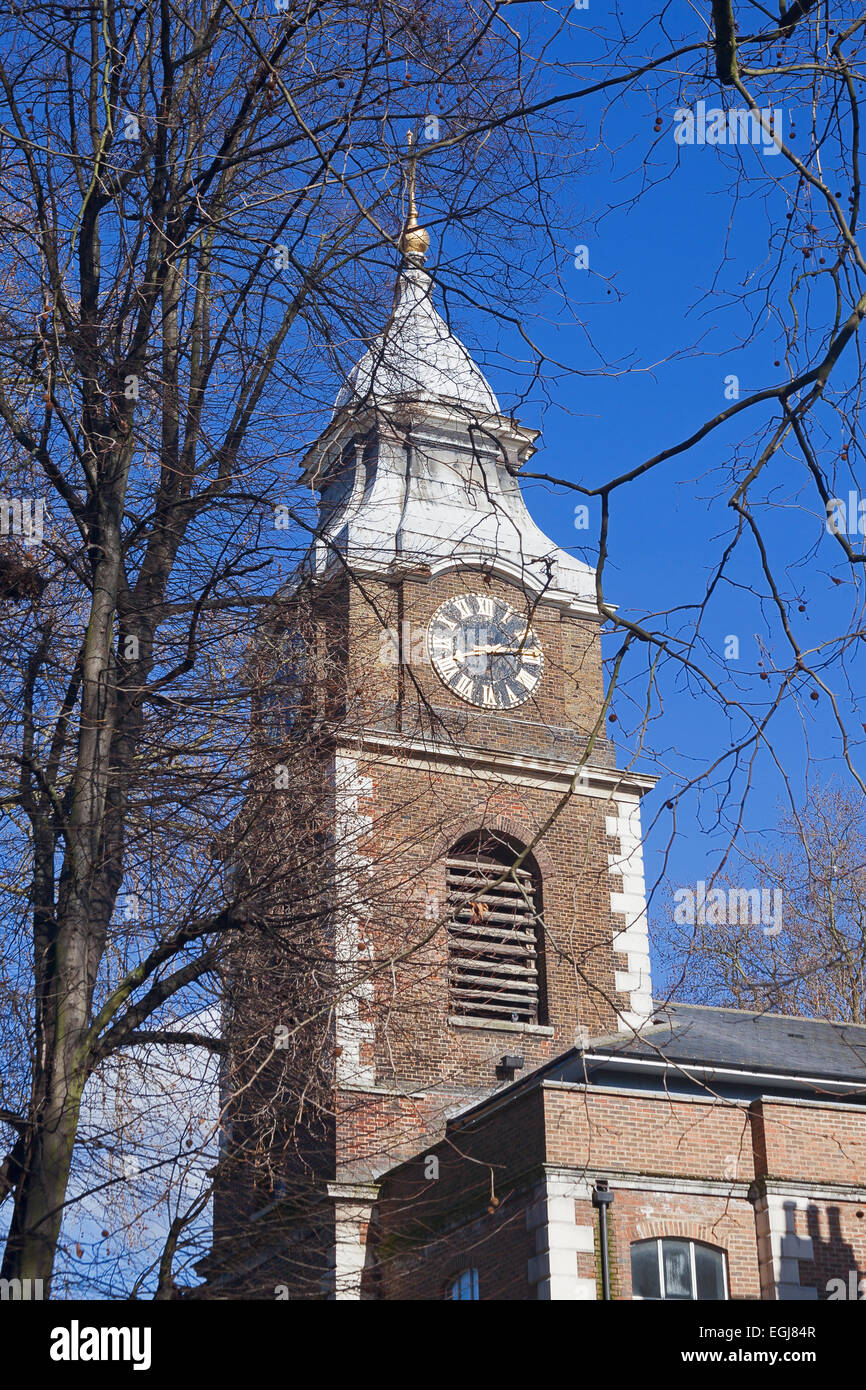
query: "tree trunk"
41, 1193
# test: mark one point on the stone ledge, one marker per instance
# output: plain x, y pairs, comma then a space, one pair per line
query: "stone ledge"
492, 1026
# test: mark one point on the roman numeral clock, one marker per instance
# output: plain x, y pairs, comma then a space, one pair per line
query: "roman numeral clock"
484, 651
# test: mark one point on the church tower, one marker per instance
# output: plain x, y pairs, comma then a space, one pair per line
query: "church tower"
489, 909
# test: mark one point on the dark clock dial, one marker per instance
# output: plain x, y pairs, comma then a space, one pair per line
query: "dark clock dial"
484, 651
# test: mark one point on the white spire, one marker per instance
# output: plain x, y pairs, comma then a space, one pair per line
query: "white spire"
418, 466
417, 357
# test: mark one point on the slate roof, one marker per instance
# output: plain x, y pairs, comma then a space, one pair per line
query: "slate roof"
777, 1054
732, 1038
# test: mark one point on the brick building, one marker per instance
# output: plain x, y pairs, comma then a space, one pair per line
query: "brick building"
733, 1144
493, 1050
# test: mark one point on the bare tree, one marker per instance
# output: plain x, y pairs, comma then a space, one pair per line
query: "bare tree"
198, 226
811, 960
198, 207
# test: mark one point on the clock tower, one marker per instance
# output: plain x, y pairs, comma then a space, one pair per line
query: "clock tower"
489, 904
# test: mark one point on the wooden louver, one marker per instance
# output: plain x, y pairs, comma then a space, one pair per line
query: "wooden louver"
492, 935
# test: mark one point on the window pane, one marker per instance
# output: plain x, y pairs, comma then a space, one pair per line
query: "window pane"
710, 1273
465, 1285
645, 1270
678, 1268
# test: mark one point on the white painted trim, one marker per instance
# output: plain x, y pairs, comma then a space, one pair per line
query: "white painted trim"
802, 1103
827, 1192
492, 563
350, 826
628, 900
353, 1191
353, 1206
465, 760
685, 1068
558, 1241
638, 1182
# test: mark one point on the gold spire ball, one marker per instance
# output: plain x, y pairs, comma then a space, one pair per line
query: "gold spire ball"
415, 240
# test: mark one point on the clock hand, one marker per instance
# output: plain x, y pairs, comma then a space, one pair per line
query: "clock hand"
504, 651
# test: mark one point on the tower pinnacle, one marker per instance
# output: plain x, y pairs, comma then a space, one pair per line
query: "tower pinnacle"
414, 240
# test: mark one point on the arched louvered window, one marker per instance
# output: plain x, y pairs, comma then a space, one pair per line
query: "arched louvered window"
494, 939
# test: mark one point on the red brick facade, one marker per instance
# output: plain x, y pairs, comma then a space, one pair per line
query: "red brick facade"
424, 769
778, 1185
699, 1169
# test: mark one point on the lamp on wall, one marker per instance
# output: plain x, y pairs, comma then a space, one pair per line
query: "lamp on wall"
509, 1064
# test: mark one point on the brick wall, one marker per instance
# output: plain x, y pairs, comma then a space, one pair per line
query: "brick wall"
466, 1208
805, 1140
412, 811
678, 1167
648, 1214
701, 1138
555, 720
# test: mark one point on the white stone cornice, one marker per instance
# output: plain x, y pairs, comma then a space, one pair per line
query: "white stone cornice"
580, 1182
378, 564
466, 760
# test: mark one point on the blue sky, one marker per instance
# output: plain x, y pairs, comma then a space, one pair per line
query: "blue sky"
669, 308
680, 261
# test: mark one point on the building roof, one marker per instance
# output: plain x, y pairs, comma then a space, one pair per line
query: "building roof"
417, 357
750, 1042
418, 467
693, 1046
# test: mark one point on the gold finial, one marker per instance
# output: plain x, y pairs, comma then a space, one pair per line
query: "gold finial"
415, 240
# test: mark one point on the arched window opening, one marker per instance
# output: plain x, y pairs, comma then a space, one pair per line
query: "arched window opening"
494, 937
678, 1269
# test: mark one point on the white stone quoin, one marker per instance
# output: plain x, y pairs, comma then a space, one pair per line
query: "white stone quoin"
628, 899
780, 1249
558, 1241
350, 825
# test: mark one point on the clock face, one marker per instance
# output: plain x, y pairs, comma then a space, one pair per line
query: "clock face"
484, 651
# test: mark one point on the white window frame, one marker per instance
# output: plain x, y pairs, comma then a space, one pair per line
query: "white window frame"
657, 1240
